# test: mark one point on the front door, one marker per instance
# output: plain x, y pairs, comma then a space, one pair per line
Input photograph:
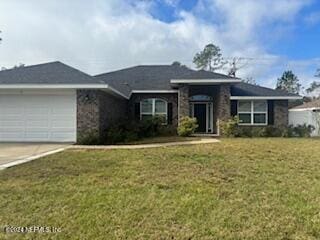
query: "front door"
200, 113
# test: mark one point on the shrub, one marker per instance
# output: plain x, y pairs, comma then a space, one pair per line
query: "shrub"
271, 131
128, 131
90, 138
229, 128
303, 130
187, 126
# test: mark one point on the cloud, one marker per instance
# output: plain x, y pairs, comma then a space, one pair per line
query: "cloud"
98, 36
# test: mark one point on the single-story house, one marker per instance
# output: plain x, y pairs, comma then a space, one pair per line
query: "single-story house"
307, 113
54, 102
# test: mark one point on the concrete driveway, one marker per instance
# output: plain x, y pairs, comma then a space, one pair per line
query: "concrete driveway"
11, 153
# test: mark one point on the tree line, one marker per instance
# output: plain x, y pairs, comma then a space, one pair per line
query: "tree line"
211, 59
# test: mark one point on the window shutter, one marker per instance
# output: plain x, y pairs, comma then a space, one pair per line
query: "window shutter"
234, 108
270, 112
169, 113
137, 111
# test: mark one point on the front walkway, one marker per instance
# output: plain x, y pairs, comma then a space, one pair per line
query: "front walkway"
152, 145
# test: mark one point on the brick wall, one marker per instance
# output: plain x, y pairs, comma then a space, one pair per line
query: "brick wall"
97, 110
281, 113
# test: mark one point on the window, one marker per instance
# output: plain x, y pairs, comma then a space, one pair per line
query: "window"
153, 107
253, 112
199, 98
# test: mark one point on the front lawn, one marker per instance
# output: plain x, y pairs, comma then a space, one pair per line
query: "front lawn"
236, 189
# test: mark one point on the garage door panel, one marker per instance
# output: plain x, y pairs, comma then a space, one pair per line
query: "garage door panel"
5, 124
38, 117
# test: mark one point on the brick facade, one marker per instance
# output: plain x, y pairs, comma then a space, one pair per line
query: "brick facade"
281, 113
96, 110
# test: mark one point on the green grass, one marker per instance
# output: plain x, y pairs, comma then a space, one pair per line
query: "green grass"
236, 189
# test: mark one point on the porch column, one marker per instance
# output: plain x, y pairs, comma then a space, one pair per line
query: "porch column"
224, 111
183, 101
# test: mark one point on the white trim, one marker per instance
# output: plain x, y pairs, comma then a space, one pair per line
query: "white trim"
205, 81
208, 106
304, 109
154, 91
265, 97
153, 112
62, 86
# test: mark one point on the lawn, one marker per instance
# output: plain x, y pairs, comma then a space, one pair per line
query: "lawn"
236, 189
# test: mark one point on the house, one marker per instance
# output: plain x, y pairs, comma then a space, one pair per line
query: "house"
55, 102
307, 113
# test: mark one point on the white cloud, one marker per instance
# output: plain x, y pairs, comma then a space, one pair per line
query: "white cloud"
98, 36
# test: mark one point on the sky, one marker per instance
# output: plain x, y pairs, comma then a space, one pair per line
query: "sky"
98, 36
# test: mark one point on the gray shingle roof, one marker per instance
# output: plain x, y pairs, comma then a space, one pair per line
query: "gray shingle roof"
312, 104
153, 77
47, 73
246, 89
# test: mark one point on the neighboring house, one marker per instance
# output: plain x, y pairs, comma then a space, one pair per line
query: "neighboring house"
307, 113
55, 102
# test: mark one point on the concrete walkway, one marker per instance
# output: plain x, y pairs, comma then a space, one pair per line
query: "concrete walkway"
151, 145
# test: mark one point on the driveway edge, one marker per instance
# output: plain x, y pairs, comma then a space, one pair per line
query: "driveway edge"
29, 159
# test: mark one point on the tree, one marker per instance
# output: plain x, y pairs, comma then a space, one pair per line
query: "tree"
250, 80
235, 64
210, 58
289, 82
313, 86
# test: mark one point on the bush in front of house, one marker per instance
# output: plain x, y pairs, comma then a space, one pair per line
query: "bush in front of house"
303, 130
90, 138
231, 128
187, 126
128, 131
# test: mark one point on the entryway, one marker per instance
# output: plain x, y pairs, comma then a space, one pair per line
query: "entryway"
203, 112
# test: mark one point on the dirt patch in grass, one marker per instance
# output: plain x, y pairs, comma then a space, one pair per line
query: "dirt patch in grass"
237, 189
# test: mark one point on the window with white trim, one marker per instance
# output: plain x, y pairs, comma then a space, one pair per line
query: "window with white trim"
253, 112
152, 107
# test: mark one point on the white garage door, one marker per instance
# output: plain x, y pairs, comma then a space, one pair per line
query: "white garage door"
26, 117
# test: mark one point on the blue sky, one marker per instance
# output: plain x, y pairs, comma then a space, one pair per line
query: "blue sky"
102, 35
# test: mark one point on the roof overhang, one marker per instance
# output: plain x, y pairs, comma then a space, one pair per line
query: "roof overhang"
104, 87
304, 109
265, 97
204, 81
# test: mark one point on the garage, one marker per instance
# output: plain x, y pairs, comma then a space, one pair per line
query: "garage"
38, 115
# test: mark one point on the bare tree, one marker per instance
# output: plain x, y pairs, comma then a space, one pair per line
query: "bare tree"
235, 64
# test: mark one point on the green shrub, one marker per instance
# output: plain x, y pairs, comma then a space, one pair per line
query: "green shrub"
229, 128
303, 130
271, 131
128, 131
187, 126
90, 138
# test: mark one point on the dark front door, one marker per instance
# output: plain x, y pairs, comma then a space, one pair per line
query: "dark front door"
200, 113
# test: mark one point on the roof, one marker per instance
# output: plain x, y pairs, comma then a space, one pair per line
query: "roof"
154, 77
246, 89
47, 73
315, 104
